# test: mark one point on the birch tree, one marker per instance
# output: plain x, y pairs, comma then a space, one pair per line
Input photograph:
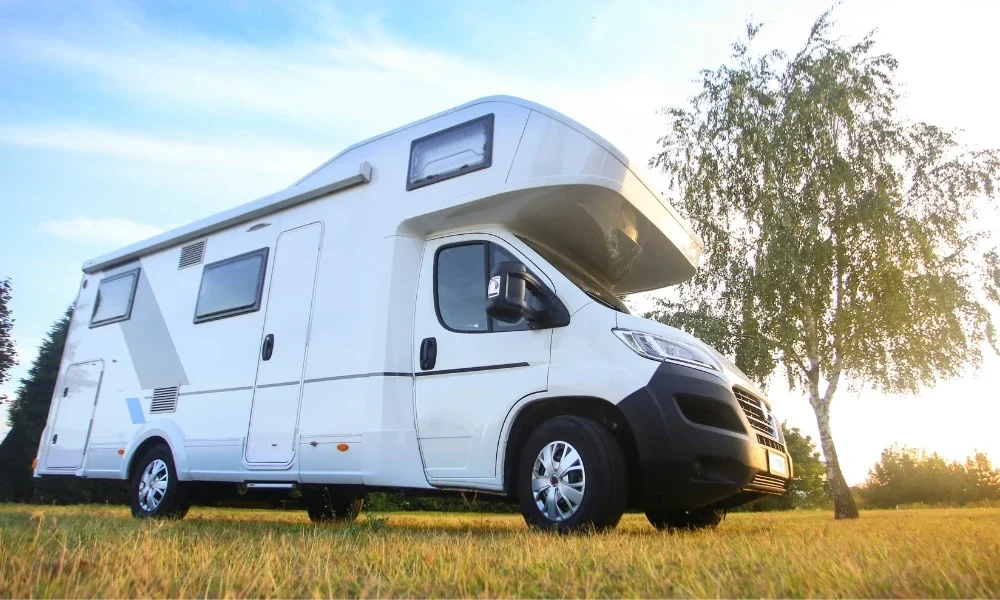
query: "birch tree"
843, 241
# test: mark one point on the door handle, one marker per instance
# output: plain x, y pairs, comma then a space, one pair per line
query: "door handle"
55, 437
428, 353
268, 347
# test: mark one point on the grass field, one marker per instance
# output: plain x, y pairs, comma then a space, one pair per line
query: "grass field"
101, 551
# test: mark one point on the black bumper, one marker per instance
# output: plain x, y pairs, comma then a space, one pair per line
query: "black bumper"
695, 447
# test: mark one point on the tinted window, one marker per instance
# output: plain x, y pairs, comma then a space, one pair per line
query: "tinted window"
231, 287
451, 152
114, 299
460, 279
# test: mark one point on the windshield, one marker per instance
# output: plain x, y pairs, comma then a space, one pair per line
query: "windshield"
580, 278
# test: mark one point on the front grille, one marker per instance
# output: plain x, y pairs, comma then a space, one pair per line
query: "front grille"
763, 482
757, 412
772, 444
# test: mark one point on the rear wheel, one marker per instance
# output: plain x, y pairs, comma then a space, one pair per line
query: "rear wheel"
154, 490
325, 505
572, 475
671, 519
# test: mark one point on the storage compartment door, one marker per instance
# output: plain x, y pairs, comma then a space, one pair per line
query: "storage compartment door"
75, 401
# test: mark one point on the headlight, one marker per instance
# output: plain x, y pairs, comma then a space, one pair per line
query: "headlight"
665, 349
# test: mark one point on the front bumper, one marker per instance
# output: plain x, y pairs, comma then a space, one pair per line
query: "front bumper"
695, 445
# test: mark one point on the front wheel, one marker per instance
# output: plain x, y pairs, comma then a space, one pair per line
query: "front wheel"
572, 475
154, 490
327, 506
671, 519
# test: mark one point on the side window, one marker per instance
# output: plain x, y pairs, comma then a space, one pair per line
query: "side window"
231, 287
460, 288
451, 152
461, 273
115, 296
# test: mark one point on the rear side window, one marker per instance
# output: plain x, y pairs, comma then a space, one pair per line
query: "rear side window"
451, 152
115, 296
231, 287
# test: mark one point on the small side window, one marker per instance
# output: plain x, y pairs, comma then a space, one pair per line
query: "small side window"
451, 152
231, 287
115, 295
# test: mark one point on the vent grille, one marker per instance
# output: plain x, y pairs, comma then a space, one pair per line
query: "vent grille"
757, 412
192, 254
772, 444
764, 482
164, 400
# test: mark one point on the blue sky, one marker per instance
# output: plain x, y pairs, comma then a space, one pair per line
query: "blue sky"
121, 119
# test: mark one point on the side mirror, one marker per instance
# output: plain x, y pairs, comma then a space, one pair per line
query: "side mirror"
507, 298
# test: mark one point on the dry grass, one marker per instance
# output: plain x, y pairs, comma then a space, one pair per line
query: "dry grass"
88, 551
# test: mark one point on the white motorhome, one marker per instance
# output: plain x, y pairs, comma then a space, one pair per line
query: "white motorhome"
435, 310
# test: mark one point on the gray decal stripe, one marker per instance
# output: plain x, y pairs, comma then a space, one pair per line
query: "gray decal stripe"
284, 383
359, 376
150, 347
218, 391
279, 384
473, 369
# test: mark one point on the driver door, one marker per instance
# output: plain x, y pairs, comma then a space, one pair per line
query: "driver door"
481, 367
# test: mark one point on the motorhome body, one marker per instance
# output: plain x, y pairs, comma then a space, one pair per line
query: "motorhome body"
433, 309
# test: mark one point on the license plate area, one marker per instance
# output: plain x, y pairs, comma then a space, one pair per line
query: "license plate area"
777, 464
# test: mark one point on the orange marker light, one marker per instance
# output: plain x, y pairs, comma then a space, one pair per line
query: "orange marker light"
121, 452
342, 447
34, 463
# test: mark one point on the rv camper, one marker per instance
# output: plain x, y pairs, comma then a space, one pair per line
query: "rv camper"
434, 310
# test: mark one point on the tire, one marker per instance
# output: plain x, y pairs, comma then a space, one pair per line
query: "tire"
326, 506
154, 491
672, 519
597, 476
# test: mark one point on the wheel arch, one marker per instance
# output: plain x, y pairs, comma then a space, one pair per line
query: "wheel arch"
158, 432
534, 412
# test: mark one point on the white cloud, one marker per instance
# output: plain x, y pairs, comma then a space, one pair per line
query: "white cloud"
108, 231
253, 155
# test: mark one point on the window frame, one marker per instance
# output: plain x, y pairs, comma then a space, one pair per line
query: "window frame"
234, 312
137, 272
487, 248
411, 185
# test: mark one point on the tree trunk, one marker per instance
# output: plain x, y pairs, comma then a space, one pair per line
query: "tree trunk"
843, 503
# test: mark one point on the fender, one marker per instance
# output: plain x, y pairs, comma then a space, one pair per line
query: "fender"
169, 431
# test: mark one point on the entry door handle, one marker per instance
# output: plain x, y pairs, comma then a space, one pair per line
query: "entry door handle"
55, 437
268, 347
428, 353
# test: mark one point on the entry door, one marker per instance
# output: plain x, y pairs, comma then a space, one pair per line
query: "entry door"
284, 345
76, 399
482, 367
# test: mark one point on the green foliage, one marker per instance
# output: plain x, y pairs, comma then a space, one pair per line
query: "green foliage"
840, 237
8, 357
28, 413
905, 476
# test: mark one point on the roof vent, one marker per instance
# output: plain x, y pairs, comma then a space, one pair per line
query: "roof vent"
164, 400
192, 254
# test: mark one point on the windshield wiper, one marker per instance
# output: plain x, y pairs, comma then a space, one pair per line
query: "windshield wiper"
600, 300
